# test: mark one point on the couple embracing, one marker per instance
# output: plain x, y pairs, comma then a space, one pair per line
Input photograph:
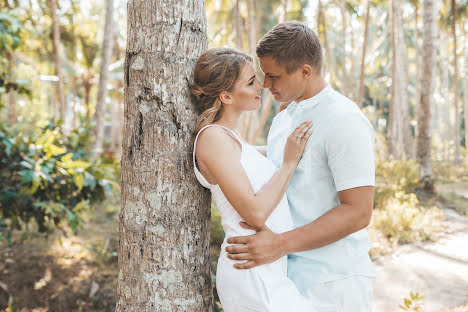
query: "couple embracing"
294, 213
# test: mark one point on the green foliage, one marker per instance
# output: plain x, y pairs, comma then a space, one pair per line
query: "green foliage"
9, 31
398, 214
10, 28
413, 303
395, 177
45, 176
404, 220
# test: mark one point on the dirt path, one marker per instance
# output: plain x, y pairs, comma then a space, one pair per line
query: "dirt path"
437, 270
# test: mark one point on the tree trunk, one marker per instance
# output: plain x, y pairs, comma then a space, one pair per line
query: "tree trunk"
104, 76
363, 57
344, 73
284, 15
58, 59
465, 93
447, 134
427, 82
74, 121
399, 84
238, 26
11, 92
164, 251
456, 83
395, 135
418, 63
87, 84
402, 63
322, 27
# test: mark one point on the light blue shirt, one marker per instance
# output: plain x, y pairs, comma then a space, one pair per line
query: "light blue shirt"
338, 156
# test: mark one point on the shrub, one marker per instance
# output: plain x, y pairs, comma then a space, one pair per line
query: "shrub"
45, 176
395, 177
403, 220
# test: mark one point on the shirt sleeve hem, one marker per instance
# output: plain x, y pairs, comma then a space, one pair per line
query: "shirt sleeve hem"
345, 185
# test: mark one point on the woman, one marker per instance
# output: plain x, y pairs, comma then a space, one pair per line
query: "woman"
245, 185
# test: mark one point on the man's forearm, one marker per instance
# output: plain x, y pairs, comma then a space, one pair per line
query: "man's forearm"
335, 224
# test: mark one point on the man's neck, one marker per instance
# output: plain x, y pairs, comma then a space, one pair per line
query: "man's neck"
316, 85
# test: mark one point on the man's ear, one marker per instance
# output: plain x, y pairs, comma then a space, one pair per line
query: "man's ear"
306, 71
225, 97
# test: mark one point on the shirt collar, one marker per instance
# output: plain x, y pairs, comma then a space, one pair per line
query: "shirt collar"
310, 102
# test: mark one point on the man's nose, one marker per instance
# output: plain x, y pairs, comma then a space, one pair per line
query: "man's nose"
266, 82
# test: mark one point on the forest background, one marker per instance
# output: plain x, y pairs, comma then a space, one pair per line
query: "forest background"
62, 114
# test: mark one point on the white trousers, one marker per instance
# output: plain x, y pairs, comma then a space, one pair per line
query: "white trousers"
353, 294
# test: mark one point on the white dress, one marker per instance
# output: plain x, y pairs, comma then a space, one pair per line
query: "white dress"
265, 288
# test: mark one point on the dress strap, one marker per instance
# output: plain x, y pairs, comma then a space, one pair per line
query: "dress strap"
199, 175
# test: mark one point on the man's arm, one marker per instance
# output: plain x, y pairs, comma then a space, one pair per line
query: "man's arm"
352, 215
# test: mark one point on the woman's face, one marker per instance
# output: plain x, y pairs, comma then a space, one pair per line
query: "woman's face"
246, 93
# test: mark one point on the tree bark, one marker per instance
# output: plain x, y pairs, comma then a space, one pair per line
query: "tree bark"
58, 59
399, 84
456, 83
465, 93
238, 26
164, 251
395, 135
363, 57
344, 73
427, 82
104, 75
322, 27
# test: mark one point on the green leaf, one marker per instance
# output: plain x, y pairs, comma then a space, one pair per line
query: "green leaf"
407, 303
79, 181
26, 176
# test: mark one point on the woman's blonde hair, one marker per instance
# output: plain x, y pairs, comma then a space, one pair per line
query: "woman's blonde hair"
216, 70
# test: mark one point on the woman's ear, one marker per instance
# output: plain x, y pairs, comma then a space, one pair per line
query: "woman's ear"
225, 97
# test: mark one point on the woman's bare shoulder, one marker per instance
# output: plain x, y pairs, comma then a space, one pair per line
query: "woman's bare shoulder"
214, 141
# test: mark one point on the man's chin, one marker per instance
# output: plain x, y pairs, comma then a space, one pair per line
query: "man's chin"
278, 97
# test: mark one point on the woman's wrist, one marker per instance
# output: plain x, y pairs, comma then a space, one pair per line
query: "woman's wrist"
289, 166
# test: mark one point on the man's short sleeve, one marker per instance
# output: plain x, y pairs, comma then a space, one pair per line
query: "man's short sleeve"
350, 151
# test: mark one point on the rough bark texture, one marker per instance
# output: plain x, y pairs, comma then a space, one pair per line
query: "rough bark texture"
456, 83
164, 259
427, 79
104, 74
58, 58
363, 57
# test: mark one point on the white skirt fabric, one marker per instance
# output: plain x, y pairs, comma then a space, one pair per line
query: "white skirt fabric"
265, 288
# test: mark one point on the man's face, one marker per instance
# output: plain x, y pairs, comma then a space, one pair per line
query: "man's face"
284, 87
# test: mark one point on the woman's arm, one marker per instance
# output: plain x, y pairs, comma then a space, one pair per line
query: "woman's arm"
218, 154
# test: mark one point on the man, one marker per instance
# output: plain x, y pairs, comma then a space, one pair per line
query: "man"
332, 191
